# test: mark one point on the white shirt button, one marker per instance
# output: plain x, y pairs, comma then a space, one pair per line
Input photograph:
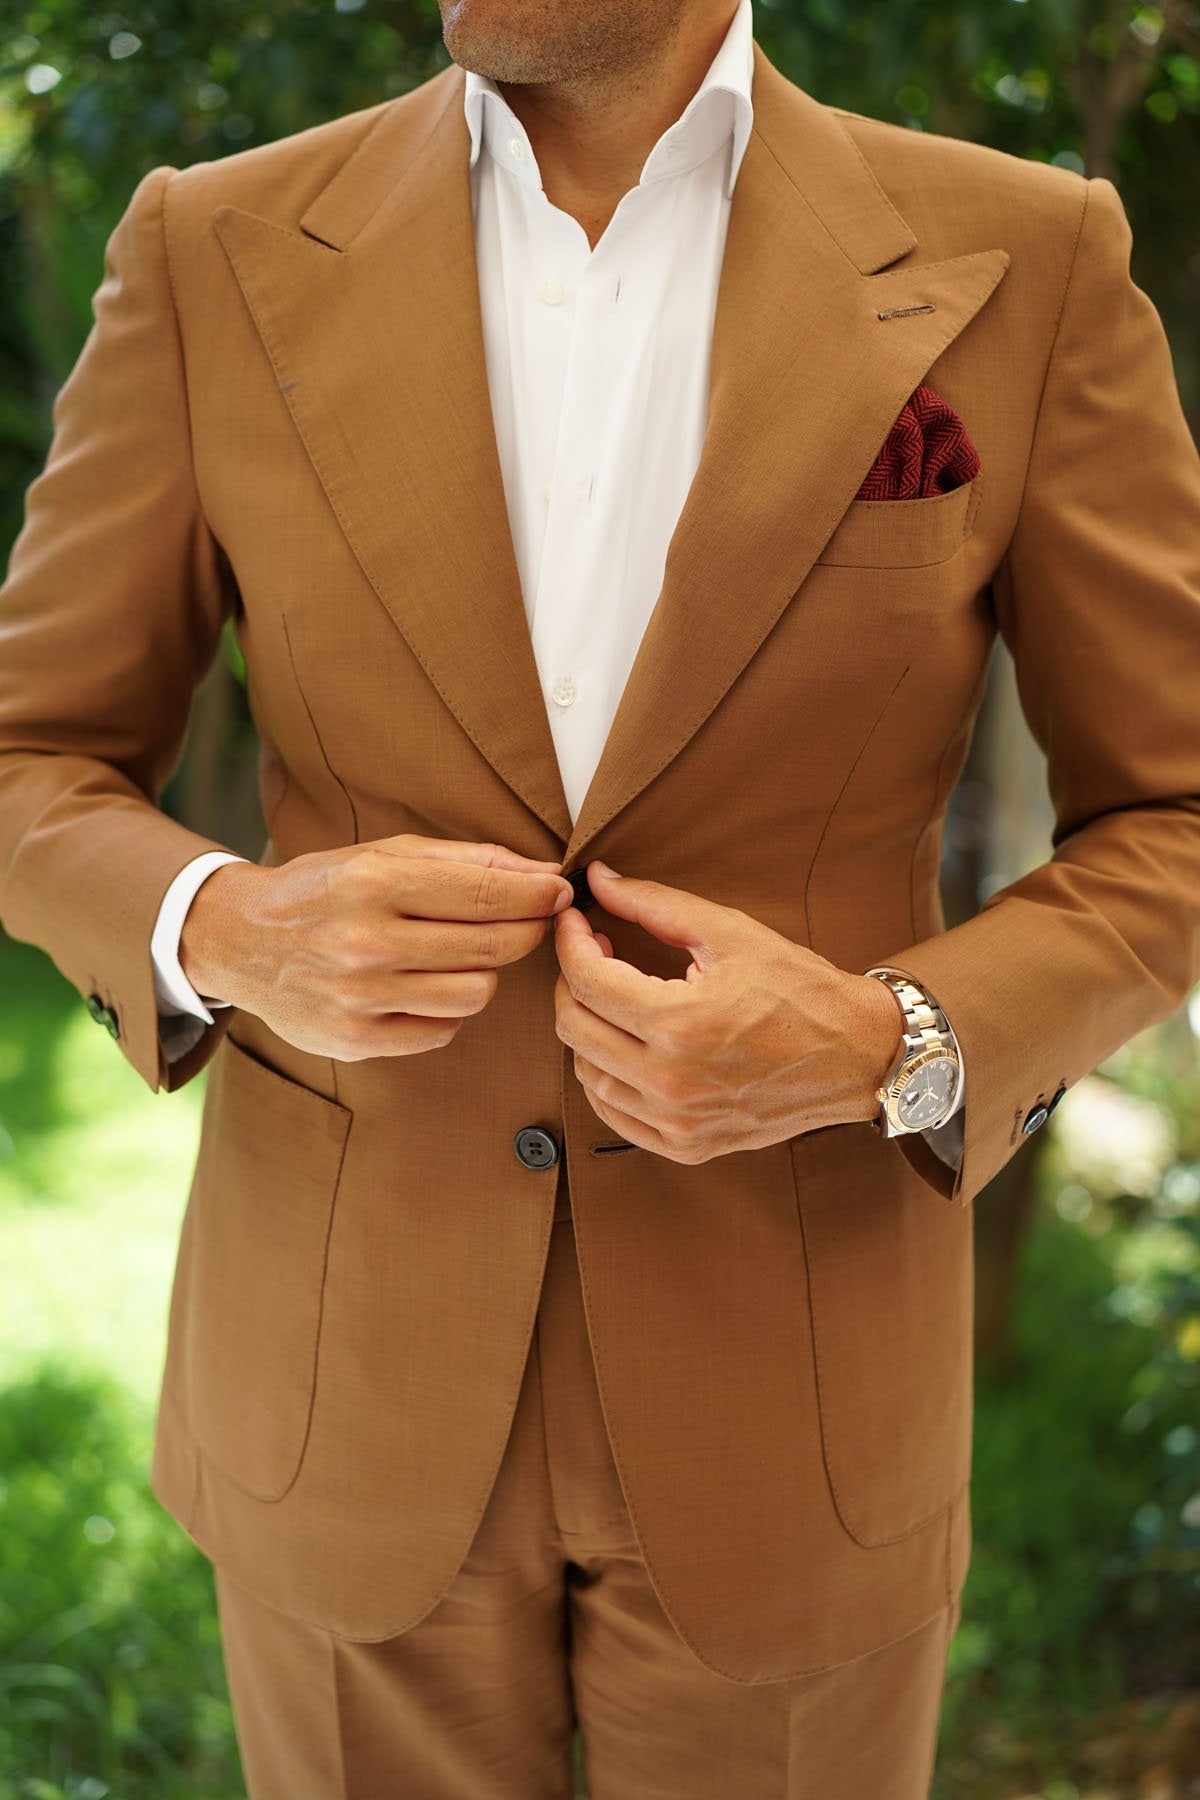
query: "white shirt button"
553, 293
564, 692
516, 149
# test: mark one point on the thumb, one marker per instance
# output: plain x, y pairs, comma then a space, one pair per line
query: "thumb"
671, 915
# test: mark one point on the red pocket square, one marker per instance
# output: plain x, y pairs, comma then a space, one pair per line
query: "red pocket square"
927, 452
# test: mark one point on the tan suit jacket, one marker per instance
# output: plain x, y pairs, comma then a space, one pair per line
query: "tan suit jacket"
282, 413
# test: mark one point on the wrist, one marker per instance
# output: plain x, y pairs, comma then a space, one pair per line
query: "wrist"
879, 1036
213, 939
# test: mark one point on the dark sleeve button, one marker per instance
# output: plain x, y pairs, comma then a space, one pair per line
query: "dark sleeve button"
1054, 1099
584, 897
1036, 1116
103, 1015
535, 1148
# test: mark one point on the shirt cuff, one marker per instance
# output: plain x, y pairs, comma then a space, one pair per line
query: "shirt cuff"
946, 1139
175, 994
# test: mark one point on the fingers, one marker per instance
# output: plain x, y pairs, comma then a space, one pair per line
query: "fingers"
493, 856
430, 887
604, 1044
497, 856
395, 1034
431, 945
434, 996
602, 983
670, 914
634, 1131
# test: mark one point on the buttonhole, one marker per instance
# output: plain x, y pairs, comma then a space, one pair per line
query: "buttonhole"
904, 312
617, 1149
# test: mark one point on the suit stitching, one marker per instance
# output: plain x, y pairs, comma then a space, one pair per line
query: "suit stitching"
266, 747
332, 772
939, 794
841, 792
842, 1509
286, 1081
839, 246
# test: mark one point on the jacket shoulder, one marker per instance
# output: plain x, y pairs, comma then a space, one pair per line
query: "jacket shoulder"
933, 179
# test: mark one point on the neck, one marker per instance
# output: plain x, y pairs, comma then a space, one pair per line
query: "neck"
592, 135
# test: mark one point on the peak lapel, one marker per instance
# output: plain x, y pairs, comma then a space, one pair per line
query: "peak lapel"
806, 381
372, 324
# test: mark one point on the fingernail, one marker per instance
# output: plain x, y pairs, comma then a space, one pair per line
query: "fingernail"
605, 870
564, 900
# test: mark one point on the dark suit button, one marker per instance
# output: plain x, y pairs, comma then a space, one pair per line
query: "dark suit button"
535, 1148
1054, 1099
103, 1015
584, 897
1036, 1116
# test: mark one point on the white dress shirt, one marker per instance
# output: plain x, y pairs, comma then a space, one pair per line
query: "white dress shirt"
598, 373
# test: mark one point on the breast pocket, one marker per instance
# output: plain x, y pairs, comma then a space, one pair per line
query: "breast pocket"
256, 1239
904, 534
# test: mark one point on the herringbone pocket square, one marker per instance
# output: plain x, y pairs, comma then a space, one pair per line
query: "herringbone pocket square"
927, 452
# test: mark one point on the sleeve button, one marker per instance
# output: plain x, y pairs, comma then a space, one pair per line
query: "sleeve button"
1036, 1116
103, 1015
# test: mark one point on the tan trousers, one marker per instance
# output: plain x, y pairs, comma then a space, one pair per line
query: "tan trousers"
551, 1626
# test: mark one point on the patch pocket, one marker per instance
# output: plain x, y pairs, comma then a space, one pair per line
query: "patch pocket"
891, 1290
904, 534
259, 1217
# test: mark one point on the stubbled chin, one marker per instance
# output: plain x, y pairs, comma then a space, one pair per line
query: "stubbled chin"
490, 53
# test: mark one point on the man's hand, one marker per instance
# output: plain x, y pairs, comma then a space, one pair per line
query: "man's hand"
378, 949
760, 1041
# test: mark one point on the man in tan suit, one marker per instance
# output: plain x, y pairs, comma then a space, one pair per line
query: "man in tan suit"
565, 1331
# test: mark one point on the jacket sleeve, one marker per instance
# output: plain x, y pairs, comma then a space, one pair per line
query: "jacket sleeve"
109, 618
1098, 600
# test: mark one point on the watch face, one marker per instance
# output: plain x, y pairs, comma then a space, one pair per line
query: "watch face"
926, 1095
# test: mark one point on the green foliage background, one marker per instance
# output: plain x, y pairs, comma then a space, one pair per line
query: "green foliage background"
1078, 1655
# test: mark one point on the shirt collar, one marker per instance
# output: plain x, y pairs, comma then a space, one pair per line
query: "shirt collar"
719, 110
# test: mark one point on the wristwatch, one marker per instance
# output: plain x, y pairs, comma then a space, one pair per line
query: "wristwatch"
921, 1089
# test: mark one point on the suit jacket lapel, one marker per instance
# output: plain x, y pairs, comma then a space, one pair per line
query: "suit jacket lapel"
806, 382
371, 320
372, 323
